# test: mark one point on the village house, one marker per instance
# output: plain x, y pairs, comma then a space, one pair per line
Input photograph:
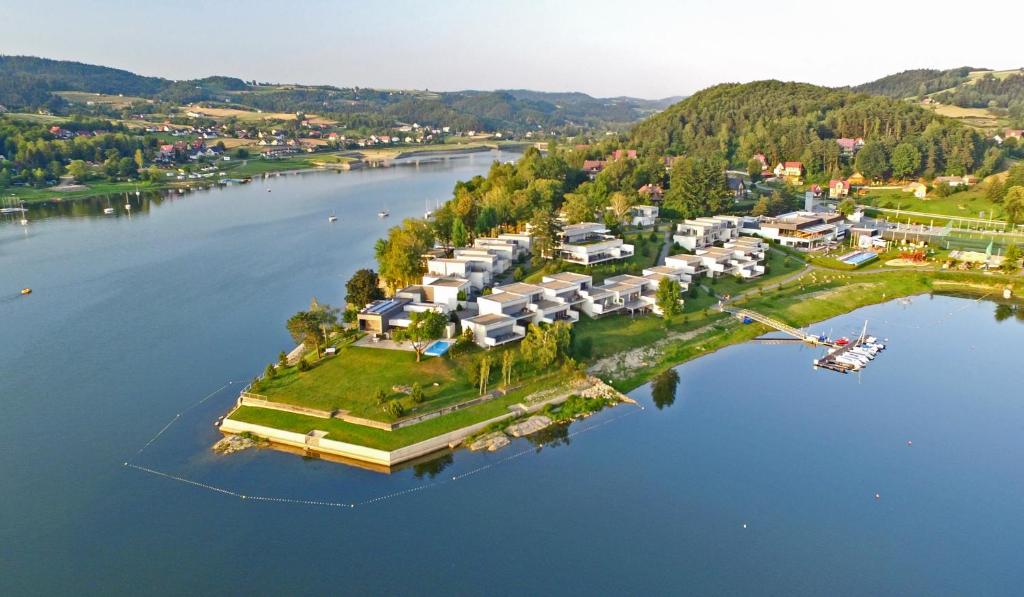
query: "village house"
619, 154
588, 243
593, 167
850, 147
790, 171
837, 189
737, 186
651, 192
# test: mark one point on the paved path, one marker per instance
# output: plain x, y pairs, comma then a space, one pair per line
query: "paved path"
666, 246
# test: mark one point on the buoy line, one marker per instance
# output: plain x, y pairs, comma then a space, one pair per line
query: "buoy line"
328, 503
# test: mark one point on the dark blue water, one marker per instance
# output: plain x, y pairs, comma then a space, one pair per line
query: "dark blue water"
133, 321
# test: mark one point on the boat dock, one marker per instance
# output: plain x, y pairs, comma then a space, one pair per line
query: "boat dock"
843, 355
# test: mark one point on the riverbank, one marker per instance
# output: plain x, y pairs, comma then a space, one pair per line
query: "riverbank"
255, 167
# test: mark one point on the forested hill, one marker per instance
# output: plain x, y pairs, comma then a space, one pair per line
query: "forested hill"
29, 83
798, 121
916, 83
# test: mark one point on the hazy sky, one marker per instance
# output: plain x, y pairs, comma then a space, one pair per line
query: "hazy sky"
645, 48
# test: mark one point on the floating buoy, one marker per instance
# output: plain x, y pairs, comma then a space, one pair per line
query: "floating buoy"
909, 443
878, 496
744, 525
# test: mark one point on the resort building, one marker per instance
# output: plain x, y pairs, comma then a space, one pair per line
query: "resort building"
380, 317
494, 330
805, 231
588, 243
478, 265
690, 266
704, 232
444, 292
644, 216
720, 261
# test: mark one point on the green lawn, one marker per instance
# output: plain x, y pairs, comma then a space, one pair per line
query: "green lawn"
350, 379
390, 440
617, 333
966, 204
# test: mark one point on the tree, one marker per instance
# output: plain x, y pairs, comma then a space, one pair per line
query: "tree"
424, 327
417, 393
270, 372
697, 187
577, 208
78, 170
400, 256
139, 160
762, 207
663, 388
282, 359
871, 160
1013, 204
543, 235
304, 328
777, 203
362, 289
459, 234
1011, 258
485, 374
846, 206
667, 298
994, 191
545, 344
754, 169
906, 160
621, 206
508, 359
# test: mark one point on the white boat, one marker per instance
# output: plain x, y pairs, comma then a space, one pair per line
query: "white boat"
332, 218
108, 210
383, 213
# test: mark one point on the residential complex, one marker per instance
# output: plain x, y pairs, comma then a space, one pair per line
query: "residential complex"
804, 230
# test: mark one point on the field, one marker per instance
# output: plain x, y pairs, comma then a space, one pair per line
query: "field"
252, 115
114, 101
966, 204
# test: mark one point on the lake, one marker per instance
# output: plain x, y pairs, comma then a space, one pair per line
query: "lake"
134, 321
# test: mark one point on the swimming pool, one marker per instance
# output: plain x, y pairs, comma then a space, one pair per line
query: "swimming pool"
438, 348
858, 257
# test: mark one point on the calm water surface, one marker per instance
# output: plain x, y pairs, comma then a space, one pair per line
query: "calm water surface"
132, 321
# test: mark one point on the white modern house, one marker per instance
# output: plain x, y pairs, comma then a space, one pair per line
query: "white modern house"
735, 261
698, 233
644, 215
588, 243
444, 292
691, 266
490, 330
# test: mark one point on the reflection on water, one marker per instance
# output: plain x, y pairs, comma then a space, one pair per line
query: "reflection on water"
663, 388
1006, 311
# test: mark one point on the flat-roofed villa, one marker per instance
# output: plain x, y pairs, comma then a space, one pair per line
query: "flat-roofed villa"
643, 215
804, 230
588, 243
479, 266
691, 266
734, 261
434, 294
490, 330
698, 233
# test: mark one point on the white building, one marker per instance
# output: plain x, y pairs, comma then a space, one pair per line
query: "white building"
588, 243
644, 215
803, 230
698, 233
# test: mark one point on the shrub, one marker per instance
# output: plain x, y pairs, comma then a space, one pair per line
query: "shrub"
303, 364
380, 396
270, 372
394, 408
518, 274
417, 393
653, 236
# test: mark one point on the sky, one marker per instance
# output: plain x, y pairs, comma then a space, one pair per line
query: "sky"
641, 48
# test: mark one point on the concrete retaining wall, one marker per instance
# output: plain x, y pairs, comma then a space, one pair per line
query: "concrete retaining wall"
244, 400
